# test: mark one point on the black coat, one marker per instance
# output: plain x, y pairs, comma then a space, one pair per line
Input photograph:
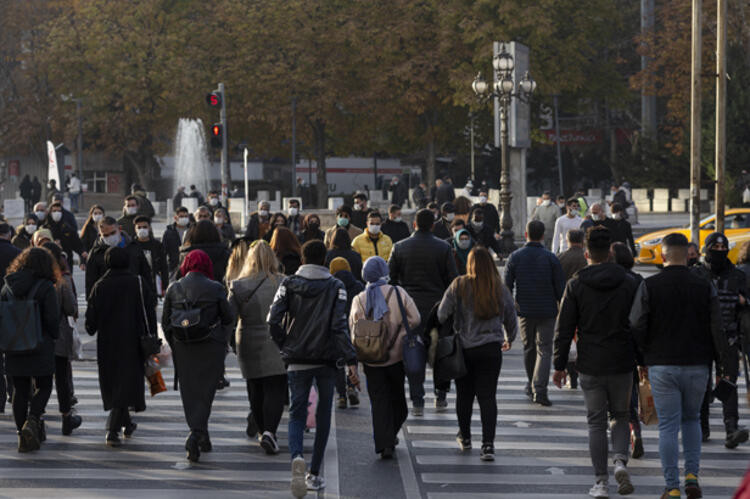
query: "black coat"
359, 218
253, 230
8, 253
290, 262
217, 252
351, 256
491, 216
397, 231
154, 252
42, 361
67, 235
89, 235
25, 188
309, 235
172, 241
424, 266
36, 191
95, 268
22, 239
116, 313
419, 196
442, 229
352, 285
445, 193
485, 237
621, 231
400, 193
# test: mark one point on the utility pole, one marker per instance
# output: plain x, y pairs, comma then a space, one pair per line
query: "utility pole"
721, 109
225, 175
648, 102
294, 147
557, 144
79, 150
473, 172
695, 123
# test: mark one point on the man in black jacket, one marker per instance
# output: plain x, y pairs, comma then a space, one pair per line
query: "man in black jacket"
676, 323
311, 304
154, 252
481, 232
730, 284
596, 305
419, 196
491, 217
64, 234
424, 266
359, 215
442, 227
620, 227
394, 227
174, 235
445, 192
110, 235
129, 212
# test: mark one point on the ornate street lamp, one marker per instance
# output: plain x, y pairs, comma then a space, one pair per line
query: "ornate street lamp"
504, 90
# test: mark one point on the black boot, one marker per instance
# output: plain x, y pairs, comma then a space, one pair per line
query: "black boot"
735, 437
70, 422
30, 433
113, 439
204, 442
192, 448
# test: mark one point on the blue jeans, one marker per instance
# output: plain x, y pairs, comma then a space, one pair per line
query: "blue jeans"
74, 201
678, 393
299, 385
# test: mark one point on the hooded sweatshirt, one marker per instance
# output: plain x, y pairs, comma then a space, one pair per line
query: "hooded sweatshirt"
596, 305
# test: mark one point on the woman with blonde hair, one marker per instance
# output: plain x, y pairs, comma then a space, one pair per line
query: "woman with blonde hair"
236, 260
251, 296
484, 318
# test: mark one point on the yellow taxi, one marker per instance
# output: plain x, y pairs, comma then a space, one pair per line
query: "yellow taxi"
736, 228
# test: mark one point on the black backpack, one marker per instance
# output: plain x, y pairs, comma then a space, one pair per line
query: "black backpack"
20, 322
185, 323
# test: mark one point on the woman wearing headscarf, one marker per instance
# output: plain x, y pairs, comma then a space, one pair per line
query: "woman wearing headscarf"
461, 244
385, 381
199, 354
121, 309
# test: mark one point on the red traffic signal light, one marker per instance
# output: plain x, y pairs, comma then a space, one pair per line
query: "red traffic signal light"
217, 135
214, 99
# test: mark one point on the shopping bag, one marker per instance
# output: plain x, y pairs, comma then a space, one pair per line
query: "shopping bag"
646, 409
312, 407
165, 355
77, 345
153, 376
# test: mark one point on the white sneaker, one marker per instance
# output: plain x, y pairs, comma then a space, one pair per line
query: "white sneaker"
624, 486
315, 482
298, 485
600, 490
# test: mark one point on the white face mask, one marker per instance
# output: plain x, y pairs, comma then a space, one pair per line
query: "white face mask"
112, 239
373, 229
263, 213
40, 215
397, 219
56, 216
450, 216
293, 212
131, 210
477, 225
357, 207
464, 244
30, 228
597, 217
546, 202
183, 221
96, 217
218, 220
142, 233
213, 201
617, 216
482, 199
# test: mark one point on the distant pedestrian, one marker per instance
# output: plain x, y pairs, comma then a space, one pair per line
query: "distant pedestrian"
205, 236
224, 224
441, 228
483, 234
419, 196
52, 190
343, 221
64, 233
26, 191
491, 217
195, 193
154, 252
620, 227
90, 231
341, 247
294, 217
394, 226
174, 236
596, 216
361, 211
129, 212
462, 243
287, 250
399, 192
596, 308
547, 212
199, 350
24, 232
36, 190
445, 192
484, 317
535, 276
145, 208
8, 253
563, 224
311, 229
178, 197
74, 191
573, 259
259, 222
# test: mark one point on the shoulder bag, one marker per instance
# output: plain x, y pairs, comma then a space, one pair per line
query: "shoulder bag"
150, 344
449, 354
415, 353
372, 339
20, 322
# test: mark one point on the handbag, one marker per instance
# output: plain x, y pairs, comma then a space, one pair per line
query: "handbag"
20, 322
371, 338
414, 351
449, 359
155, 380
646, 409
150, 344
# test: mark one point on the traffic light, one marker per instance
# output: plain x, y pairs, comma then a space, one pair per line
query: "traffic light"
214, 99
217, 134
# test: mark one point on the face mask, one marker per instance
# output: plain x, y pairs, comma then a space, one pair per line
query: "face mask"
546, 202
358, 207
30, 228
437, 216
477, 225
218, 220
183, 221
397, 219
263, 213
373, 229
450, 216
597, 217
213, 201
40, 215
112, 239
293, 212
342, 221
464, 244
131, 210
617, 216
482, 199
716, 258
314, 225
692, 261
56, 216
142, 233
97, 217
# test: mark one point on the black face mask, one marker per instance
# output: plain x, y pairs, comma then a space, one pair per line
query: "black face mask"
692, 261
314, 225
717, 259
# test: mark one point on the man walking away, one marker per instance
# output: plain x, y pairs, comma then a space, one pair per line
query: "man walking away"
308, 322
596, 306
547, 213
676, 323
424, 266
567, 222
536, 278
573, 259
621, 229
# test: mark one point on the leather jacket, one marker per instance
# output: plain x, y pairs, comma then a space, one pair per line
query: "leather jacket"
308, 319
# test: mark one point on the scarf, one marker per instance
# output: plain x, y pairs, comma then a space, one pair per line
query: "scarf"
374, 272
463, 254
197, 261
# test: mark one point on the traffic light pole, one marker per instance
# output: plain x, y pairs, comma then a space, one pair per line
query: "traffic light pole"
225, 176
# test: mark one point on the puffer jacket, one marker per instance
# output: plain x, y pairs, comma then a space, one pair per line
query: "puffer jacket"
393, 318
308, 319
366, 246
538, 279
596, 305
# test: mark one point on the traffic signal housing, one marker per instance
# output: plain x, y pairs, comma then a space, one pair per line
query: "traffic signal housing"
217, 135
214, 99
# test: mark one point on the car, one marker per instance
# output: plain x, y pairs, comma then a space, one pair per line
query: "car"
736, 228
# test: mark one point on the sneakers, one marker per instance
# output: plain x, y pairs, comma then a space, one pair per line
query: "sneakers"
298, 485
600, 490
252, 427
692, 489
113, 439
542, 399
192, 448
441, 404
637, 444
341, 404
70, 422
129, 429
670, 494
463, 443
417, 411
487, 453
269, 444
624, 486
735, 438
314, 482
353, 398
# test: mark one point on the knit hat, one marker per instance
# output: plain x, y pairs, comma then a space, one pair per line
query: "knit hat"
41, 234
338, 264
714, 238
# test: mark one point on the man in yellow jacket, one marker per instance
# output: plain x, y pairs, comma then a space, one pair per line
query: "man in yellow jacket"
372, 242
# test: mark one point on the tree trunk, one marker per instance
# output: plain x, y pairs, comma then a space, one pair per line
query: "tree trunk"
321, 186
430, 163
140, 168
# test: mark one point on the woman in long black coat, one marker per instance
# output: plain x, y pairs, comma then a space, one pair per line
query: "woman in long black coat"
116, 312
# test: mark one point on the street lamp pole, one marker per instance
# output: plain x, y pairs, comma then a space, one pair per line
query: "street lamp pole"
79, 152
506, 196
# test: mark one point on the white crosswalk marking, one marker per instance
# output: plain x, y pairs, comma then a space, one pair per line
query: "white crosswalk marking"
546, 458
152, 463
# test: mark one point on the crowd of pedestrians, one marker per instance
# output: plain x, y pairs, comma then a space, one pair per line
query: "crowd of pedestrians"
303, 305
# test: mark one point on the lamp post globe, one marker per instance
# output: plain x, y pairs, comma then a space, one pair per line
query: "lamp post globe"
479, 85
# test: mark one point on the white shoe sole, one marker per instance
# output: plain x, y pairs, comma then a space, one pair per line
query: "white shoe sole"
298, 485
